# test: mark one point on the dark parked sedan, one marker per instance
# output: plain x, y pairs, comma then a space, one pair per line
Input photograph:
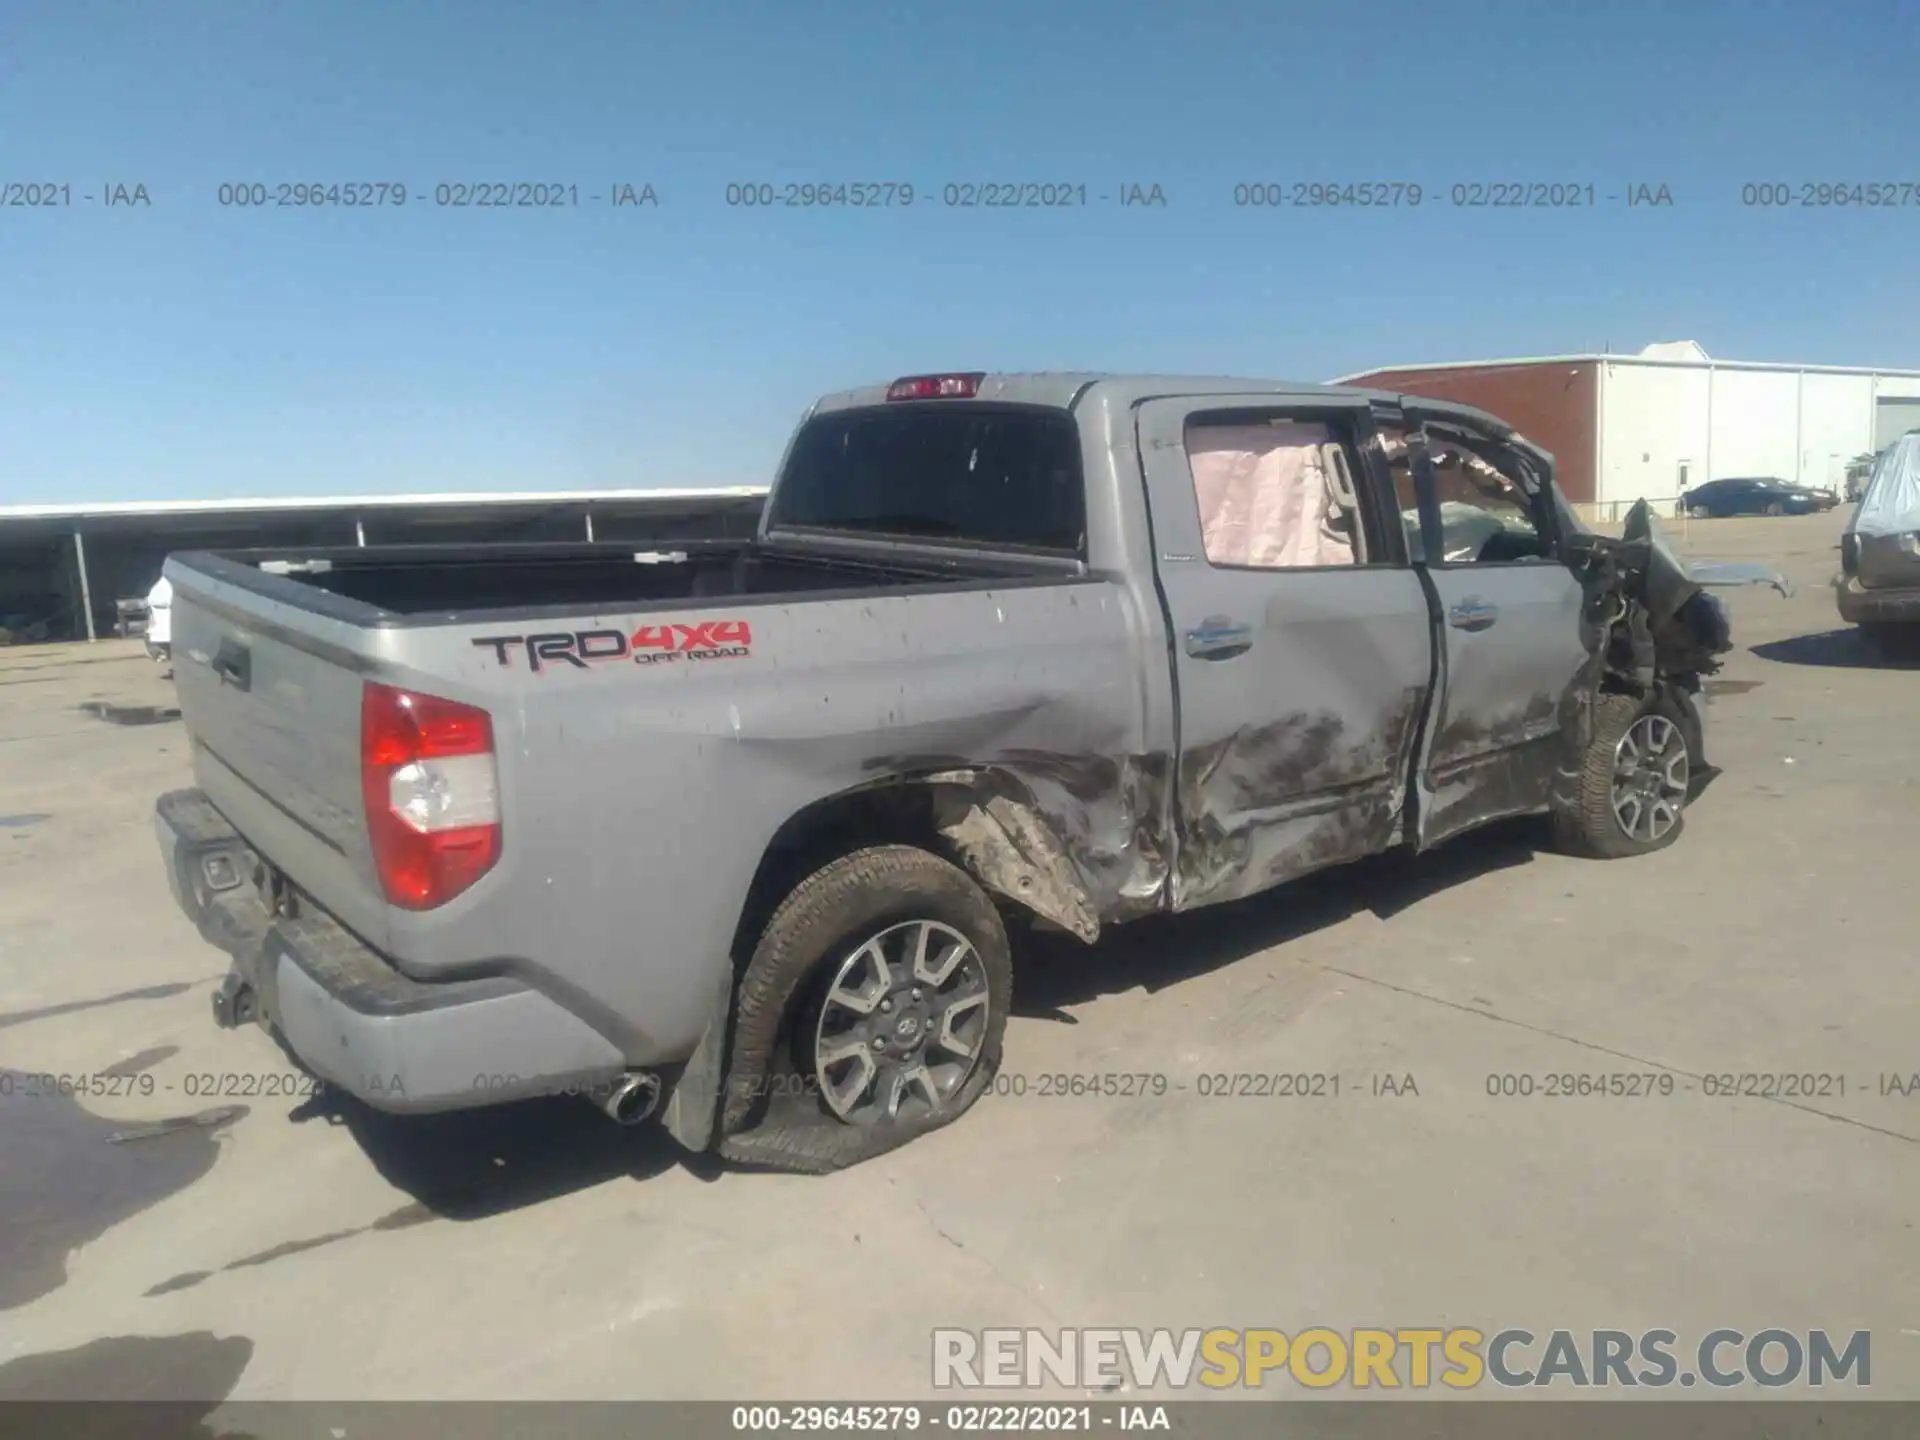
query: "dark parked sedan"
1754, 497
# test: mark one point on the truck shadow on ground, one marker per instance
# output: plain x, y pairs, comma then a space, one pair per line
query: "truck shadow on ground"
1055, 970
1844, 649
470, 1164
467, 1165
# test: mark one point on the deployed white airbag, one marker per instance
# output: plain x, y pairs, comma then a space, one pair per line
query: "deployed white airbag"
1264, 496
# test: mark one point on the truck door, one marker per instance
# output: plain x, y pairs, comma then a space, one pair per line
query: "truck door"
1513, 660
1301, 644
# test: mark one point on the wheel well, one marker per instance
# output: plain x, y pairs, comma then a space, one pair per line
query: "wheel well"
982, 821
898, 813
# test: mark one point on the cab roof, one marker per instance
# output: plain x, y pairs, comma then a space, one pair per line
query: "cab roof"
1066, 390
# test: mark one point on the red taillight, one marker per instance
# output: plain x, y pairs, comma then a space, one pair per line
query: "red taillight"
936, 387
432, 794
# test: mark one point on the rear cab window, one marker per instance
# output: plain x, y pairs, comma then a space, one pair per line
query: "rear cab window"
945, 472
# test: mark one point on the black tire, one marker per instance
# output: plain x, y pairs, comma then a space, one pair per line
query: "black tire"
1776, 508
1699, 512
1590, 825
778, 1111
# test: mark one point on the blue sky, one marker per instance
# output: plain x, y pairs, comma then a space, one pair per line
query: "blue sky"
190, 350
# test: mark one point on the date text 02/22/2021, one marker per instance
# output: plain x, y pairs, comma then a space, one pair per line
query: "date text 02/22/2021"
969, 1419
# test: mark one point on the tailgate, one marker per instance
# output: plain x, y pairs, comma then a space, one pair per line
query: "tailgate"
270, 694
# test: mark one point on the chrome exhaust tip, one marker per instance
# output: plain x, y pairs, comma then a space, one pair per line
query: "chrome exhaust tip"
633, 1097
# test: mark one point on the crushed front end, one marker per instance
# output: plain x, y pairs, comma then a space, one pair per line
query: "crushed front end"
1653, 628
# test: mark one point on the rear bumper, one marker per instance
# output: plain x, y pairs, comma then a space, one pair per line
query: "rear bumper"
1884, 606
394, 1042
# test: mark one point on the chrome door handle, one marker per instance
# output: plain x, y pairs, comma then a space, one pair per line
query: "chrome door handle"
1218, 638
1473, 613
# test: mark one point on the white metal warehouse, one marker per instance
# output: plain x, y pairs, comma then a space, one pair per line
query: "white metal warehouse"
1626, 427
1677, 417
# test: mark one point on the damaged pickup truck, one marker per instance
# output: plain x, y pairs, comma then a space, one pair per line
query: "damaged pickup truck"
736, 832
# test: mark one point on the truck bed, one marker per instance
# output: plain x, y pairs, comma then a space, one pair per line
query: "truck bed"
601, 753
435, 583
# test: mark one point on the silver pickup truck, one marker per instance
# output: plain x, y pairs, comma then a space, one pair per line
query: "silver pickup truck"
737, 832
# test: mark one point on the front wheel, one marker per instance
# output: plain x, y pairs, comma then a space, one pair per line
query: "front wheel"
1699, 512
1633, 783
874, 1005
1776, 508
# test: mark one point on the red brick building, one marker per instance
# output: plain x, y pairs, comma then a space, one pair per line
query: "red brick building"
1555, 404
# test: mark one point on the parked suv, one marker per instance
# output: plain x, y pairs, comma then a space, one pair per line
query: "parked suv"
1878, 587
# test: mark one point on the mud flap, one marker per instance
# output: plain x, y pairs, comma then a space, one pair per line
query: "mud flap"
693, 1106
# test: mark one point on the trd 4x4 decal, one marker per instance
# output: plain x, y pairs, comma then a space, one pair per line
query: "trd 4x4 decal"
649, 645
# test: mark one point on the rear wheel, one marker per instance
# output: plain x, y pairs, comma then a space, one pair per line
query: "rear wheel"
874, 1005
1634, 782
900, 1024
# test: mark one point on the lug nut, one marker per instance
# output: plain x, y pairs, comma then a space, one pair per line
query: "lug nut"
879, 1042
886, 1007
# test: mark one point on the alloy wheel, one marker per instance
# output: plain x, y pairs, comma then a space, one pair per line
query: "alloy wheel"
902, 1024
1650, 773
